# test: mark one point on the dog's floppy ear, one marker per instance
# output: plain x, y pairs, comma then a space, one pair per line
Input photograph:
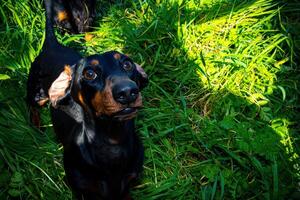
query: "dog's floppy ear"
60, 88
143, 77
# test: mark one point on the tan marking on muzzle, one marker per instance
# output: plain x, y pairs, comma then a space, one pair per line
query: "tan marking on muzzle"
97, 103
81, 100
104, 103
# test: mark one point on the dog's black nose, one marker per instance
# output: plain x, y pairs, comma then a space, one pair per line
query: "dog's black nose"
125, 93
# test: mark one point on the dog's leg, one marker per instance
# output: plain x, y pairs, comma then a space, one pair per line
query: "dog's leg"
36, 97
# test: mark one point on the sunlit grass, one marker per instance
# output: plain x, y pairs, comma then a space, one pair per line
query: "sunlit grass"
238, 51
220, 114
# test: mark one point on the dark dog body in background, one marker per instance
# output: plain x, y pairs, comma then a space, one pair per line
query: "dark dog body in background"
94, 101
46, 67
74, 15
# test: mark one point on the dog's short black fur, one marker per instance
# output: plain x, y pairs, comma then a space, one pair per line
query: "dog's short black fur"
74, 15
47, 66
93, 103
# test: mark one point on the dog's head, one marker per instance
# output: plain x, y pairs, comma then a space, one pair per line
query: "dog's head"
107, 85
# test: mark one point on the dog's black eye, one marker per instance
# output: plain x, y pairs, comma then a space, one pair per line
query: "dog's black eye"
127, 65
89, 74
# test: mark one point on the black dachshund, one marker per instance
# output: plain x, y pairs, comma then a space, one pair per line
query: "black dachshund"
94, 101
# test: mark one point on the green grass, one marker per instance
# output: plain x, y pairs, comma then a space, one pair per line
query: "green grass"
221, 112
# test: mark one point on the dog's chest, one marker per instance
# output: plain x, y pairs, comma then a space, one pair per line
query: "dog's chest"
98, 150
111, 155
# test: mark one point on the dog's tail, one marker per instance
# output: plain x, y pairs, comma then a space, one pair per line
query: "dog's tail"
50, 35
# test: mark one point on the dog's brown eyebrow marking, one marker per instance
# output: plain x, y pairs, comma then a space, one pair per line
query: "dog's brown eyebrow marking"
94, 62
62, 15
117, 56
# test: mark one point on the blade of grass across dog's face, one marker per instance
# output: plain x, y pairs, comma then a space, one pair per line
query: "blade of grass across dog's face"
221, 73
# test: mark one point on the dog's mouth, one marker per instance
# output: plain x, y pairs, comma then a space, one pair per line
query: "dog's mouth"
126, 113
